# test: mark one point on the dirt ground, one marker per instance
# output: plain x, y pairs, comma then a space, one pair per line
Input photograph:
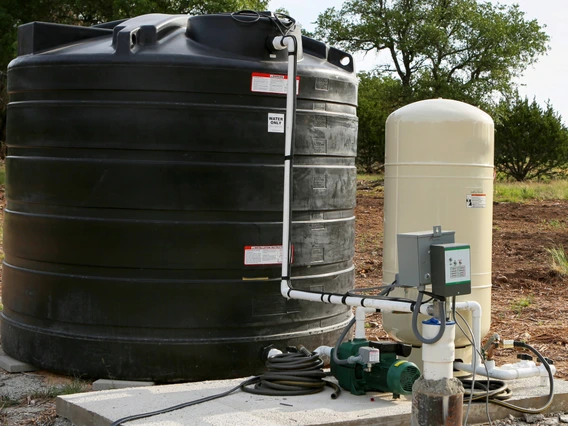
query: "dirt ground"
530, 299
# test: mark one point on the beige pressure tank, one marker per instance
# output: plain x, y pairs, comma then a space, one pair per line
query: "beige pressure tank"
439, 171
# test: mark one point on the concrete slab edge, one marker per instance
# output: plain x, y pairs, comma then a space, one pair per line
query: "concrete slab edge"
107, 384
78, 415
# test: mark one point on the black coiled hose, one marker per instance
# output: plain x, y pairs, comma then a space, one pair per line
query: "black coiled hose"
291, 374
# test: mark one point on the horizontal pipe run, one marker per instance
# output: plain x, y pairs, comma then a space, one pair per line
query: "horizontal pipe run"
504, 374
366, 302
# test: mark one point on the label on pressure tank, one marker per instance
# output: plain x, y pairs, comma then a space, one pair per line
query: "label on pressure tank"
475, 201
271, 83
264, 255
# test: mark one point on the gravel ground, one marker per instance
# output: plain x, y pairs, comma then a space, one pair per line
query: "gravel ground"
533, 419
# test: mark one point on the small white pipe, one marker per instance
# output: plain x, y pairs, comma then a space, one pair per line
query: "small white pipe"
324, 351
504, 374
360, 316
273, 352
476, 312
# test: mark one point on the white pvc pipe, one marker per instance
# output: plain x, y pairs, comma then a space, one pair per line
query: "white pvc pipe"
438, 357
476, 312
380, 304
281, 43
360, 316
323, 351
504, 374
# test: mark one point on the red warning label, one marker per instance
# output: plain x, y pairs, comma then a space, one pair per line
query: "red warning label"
271, 83
264, 255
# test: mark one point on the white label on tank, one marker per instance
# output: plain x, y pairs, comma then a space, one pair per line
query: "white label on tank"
271, 83
275, 123
476, 201
264, 255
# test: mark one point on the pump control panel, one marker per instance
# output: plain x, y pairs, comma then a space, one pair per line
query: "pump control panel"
414, 268
451, 269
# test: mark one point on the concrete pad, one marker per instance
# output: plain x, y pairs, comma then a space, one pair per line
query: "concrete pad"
240, 408
105, 384
12, 365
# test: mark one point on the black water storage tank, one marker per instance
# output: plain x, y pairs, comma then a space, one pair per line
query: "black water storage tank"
144, 197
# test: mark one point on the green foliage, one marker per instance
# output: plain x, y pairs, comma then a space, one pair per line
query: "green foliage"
530, 141
378, 98
70, 388
523, 302
559, 259
459, 49
6, 402
371, 185
519, 192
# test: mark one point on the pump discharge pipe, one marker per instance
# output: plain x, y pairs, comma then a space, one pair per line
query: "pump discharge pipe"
437, 397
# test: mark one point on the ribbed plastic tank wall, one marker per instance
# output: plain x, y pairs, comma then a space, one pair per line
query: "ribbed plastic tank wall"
144, 197
439, 171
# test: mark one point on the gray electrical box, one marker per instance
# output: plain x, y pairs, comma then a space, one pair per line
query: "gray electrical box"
451, 269
414, 268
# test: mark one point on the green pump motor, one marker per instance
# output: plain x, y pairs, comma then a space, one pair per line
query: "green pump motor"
371, 370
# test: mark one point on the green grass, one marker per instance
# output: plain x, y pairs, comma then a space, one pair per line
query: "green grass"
559, 259
370, 184
553, 224
370, 177
518, 305
512, 192
519, 192
75, 386
6, 401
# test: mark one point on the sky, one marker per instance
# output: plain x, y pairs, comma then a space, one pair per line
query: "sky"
546, 80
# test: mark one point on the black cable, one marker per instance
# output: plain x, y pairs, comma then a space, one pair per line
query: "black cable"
183, 405
276, 18
442, 319
288, 374
496, 391
475, 352
334, 355
255, 14
284, 28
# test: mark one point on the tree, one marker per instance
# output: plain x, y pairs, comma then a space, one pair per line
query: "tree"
530, 142
458, 49
378, 98
90, 12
